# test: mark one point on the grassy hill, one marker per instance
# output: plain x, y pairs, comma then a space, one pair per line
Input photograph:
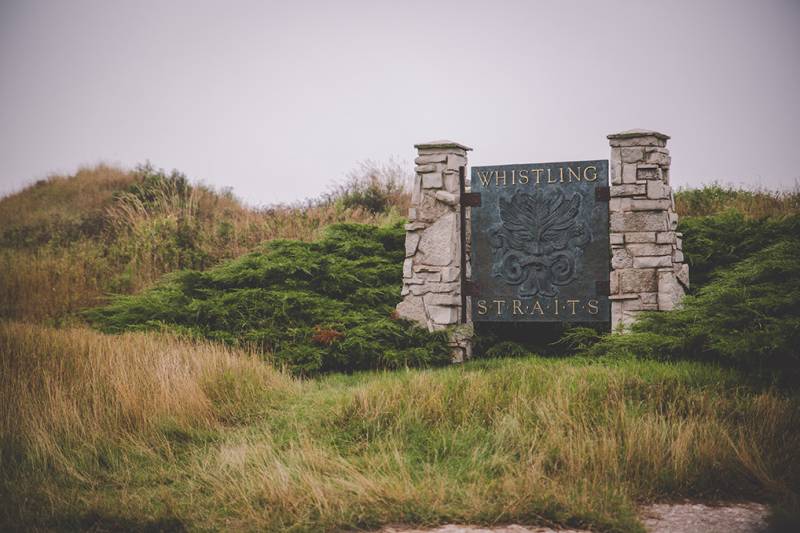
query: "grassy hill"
157, 425
68, 241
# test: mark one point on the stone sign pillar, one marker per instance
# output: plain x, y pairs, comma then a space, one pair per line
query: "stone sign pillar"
432, 268
647, 266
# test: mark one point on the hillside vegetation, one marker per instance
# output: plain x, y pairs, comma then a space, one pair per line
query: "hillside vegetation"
68, 241
314, 307
194, 408
148, 432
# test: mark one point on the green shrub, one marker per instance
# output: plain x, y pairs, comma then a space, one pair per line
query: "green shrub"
747, 317
507, 349
714, 243
317, 307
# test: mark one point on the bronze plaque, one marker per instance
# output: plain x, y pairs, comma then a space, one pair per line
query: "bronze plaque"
540, 250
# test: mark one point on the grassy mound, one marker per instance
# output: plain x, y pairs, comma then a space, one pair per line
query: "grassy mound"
68, 240
320, 306
148, 432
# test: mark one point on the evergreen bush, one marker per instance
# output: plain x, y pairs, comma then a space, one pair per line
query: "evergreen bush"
316, 307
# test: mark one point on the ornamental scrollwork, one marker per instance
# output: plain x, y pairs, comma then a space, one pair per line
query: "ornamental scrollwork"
539, 241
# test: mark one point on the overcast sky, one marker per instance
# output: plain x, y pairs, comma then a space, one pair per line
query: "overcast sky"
279, 99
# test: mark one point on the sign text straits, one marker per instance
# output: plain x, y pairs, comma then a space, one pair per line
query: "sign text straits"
540, 244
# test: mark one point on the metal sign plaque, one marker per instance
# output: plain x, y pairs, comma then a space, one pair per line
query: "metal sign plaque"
540, 250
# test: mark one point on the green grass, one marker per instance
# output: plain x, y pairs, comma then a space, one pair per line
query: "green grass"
194, 436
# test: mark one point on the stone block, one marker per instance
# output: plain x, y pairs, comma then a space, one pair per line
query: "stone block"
657, 190
455, 161
442, 299
677, 256
432, 181
670, 292
645, 140
638, 221
628, 173
451, 287
450, 274
407, 264
416, 190
414, 226
412, 241
634, 154
438, 244
649, 205
428, 169
634, 304
665, 237
616, 238
429, 159
628, 189
640, 236
652, 261
451, 183
658, 158
649, 298
428, 277
645, 249
673, 220
615, 167
413, 309
624, 296
443, 315
644, 173
447, 197
621, 258
613, 282
634, 280
412, 213
619, 204
682, 274
616, 314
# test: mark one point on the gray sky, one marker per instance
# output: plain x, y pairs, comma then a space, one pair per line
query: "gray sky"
279, 99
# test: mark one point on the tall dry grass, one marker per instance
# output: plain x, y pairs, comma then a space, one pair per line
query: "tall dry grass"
66, 394
752, 203
64, 197
147, 430
68, 241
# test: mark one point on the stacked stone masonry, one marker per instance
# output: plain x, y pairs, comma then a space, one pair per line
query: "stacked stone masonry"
432, 267
647, 265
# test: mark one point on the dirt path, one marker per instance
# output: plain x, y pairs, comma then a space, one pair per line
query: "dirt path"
658, 518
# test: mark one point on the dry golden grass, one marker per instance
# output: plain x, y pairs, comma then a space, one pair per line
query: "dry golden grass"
62, 197
69, 241
79, 389
150, 431
752, 203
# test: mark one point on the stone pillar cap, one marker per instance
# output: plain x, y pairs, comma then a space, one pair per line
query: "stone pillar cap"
631, 134
441, 144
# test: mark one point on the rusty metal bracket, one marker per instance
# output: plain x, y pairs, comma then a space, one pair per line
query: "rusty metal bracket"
471, 288
462, 187
471, 199
602, 287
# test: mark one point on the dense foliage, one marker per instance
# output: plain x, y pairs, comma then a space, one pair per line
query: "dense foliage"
716, 242
745, 311
320, 306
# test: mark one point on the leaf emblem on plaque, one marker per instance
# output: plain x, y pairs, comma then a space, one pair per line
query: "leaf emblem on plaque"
539, 241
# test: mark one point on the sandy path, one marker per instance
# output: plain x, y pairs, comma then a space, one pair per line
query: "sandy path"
658, 518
